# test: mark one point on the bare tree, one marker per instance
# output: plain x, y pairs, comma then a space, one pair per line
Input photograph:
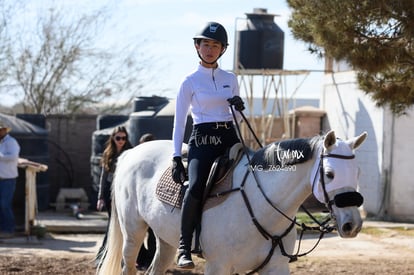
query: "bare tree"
5, 17
60, 68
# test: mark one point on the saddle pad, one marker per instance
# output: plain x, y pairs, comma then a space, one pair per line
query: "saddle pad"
169, 191
172, 193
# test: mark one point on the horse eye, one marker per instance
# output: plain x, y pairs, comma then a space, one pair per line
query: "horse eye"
330, 174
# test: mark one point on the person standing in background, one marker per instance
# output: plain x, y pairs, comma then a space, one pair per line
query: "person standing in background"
116, 144
146, 137
9, 156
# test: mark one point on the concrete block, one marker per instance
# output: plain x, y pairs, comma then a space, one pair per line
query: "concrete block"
77, 194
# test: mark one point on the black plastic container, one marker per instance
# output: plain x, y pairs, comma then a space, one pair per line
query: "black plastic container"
260, 44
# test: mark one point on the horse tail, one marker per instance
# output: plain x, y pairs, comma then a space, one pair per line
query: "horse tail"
110, 263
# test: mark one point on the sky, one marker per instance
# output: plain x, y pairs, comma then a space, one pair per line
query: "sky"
169, 25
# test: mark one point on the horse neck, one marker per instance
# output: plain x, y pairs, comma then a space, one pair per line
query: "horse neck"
286, 191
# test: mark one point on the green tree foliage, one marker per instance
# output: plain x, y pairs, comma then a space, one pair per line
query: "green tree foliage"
374, 36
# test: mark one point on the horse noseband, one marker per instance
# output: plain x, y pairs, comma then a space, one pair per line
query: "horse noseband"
347, 199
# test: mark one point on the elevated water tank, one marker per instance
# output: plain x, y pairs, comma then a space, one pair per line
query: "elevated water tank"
260, 44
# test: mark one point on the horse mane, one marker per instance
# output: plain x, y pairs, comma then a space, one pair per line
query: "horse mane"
285, 152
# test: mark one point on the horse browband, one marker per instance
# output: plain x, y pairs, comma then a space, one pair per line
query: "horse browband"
337, 156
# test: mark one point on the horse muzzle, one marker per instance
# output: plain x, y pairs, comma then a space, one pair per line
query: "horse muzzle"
349, 222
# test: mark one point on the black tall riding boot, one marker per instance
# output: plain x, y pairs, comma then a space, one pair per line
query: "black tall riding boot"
189, 217
197, 248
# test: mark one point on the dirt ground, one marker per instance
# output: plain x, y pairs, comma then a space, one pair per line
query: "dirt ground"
375, 251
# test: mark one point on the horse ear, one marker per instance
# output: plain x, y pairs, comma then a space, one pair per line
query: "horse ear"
330, 139
357, 141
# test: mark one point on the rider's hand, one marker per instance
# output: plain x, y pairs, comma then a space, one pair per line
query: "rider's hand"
178, 171
237, 102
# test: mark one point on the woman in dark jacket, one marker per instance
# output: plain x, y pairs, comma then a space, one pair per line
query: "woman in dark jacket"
116, 144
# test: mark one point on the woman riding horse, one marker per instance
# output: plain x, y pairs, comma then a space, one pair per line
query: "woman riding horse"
207, 92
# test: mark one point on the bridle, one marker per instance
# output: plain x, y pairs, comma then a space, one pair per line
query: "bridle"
340, 201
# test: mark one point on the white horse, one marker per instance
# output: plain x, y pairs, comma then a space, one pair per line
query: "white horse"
237, 234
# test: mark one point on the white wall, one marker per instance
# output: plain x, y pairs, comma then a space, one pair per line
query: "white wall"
401, 191
350, 112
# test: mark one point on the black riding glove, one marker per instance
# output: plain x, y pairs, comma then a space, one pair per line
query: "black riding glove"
237, 102
178, 171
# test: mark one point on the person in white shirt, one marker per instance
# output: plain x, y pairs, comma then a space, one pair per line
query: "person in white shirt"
9, 155
208, 93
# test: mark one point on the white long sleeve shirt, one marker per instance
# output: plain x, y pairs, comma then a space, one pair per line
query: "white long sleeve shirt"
9, 155
204, 92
